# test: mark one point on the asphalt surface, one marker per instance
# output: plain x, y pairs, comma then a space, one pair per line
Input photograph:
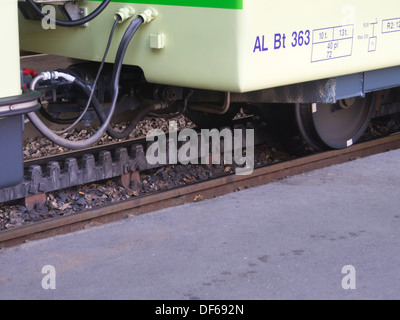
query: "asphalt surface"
289, 239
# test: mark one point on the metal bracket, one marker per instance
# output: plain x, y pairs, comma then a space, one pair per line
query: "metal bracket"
71, 11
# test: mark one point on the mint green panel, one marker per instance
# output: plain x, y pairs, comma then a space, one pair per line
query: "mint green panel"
200, 45
10, 79
235, 45
302, 40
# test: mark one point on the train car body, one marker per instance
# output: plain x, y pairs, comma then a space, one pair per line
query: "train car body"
10, 80
238, 45
13, 103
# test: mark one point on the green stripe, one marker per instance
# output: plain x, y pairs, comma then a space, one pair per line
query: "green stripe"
221, 4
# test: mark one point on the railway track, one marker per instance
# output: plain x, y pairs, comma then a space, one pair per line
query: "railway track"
114, 160
193, 192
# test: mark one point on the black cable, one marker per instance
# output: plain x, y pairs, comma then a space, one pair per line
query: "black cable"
123, 46
126, 39
117, 20
99, 111
73, 121
73, 23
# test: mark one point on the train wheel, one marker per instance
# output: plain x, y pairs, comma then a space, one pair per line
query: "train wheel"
336, 125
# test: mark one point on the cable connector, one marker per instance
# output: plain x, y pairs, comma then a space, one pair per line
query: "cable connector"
148, 15
50, 75
124, 13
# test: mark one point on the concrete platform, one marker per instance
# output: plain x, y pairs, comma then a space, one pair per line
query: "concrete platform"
286, 240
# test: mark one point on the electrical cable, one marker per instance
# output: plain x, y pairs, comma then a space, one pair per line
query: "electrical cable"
74, 23
117, 20
126, 39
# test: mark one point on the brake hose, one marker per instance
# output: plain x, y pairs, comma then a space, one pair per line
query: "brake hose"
135, 24
74, 23
48, 133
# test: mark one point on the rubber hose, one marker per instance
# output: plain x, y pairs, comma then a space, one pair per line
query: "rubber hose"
48, 133
133, 27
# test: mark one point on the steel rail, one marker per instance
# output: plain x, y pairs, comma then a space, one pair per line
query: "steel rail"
208, 189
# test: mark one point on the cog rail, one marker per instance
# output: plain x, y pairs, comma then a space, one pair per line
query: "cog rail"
118, 160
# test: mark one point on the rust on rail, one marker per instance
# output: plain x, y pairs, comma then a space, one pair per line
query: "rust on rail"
190, 193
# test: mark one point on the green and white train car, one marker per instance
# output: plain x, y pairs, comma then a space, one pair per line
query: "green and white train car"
327, 63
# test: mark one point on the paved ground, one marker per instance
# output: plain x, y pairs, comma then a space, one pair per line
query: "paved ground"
284, 240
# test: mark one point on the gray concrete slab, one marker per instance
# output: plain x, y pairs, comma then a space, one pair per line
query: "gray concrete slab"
285, 240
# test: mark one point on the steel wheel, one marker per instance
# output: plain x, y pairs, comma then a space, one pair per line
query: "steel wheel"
336, 125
